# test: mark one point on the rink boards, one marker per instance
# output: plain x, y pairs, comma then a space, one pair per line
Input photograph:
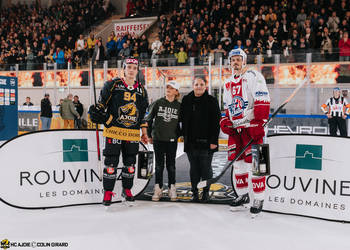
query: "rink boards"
45, 169
309, 176
54, 168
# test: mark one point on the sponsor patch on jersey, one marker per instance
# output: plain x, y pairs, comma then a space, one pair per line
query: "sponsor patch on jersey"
128, 114
238, 106
261, 93
110, 170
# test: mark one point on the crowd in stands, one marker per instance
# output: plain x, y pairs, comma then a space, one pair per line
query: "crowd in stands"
290, 28
202, 28
194, 29
31, 35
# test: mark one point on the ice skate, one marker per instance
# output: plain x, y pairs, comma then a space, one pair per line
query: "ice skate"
127, 197
172, 193
240, 203
107, 198
256, 209
158, 193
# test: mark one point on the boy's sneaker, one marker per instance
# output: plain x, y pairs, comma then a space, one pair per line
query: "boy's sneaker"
172, 193
195, 197
205, 196
157, 194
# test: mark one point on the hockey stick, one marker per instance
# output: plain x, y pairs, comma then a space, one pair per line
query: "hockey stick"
100, 169
208, 182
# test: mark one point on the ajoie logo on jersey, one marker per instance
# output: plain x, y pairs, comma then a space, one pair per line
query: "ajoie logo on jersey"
237, 107
128, 114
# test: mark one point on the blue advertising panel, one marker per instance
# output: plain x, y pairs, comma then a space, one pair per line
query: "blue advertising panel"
8, 107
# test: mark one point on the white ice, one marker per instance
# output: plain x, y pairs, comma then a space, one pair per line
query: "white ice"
166, 225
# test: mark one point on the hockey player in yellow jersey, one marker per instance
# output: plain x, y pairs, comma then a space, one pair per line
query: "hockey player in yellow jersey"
121, 108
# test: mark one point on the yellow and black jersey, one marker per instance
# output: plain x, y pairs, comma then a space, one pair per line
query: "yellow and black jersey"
126, 106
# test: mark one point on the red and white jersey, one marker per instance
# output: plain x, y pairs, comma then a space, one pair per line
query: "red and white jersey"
246, 97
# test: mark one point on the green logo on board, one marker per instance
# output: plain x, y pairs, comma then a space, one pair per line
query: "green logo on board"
308, 157
75, 150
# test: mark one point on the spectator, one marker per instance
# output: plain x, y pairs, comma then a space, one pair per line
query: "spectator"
124, 52
135, 52
310, 38
204, 56
238, 45
80, 109
68, 112
58, 57
99, 54
155, 48
120, 41
130, 8
326, 44
248, 49
333, 22
77, 62
80, 47
144, 47
21, 58
226, 37
344, 47
271, 17
301, 17
91, 42
111, 46
60, 103
272, 47
287, 51
12, 59
192, 48
259, 49
28, 102
227, 46
45, 112
181, 57
219, 52
49, 59
171, 52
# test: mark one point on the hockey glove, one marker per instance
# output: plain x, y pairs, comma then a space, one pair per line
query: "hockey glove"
97, 114
256, 131
226, 126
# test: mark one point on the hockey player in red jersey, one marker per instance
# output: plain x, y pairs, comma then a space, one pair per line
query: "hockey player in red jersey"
121, 108
247, 104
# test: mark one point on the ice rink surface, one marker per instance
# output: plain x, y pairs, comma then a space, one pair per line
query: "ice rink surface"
167, 225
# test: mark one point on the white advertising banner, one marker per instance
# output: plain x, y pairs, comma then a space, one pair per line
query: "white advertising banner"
309, 176
135, 26
54, 168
